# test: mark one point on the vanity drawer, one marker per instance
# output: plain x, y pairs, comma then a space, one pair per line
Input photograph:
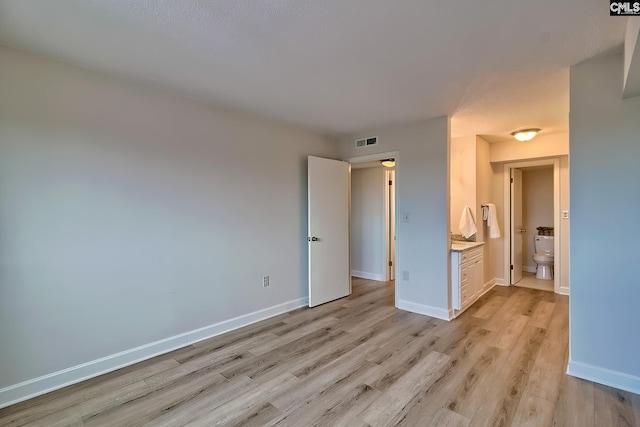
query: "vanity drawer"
464, 273
465, 296
475, 252
468, 255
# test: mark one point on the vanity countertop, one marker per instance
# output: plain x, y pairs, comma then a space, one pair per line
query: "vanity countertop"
459, 246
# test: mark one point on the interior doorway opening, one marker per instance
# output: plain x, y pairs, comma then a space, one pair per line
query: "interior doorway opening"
520, 231
373, 248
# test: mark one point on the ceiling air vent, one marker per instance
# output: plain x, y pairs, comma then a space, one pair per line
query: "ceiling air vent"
366, 142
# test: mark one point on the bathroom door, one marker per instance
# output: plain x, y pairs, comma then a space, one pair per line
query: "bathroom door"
517, 229
328, 222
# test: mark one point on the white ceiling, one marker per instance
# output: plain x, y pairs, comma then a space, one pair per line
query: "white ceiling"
336, 66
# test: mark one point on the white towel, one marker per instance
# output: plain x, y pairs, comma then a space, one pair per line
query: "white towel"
492, 221
467, 225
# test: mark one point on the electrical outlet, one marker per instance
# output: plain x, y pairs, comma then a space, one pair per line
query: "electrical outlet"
265, 281
405, 275
565, 214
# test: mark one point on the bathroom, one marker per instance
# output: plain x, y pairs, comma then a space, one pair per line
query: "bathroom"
480, 174
537, 220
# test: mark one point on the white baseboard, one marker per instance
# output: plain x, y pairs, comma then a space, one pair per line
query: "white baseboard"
604, 376
487, 287
529, 269
367, 275
427, 310
56, 380
499, 282
563, 290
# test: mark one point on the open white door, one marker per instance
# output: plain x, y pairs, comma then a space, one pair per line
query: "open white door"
517, 229
329, 263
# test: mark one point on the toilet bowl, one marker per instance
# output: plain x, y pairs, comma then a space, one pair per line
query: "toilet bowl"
543, 257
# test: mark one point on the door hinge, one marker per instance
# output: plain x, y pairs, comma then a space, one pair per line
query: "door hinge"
390, 182
512, 180
390, 263
512, 266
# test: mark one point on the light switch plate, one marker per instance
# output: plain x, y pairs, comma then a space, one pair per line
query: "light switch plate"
565, 214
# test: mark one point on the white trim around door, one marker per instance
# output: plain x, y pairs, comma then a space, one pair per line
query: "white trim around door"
556, 214
381, 156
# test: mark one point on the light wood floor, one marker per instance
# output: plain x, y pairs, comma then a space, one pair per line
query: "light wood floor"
529, 280
357, 362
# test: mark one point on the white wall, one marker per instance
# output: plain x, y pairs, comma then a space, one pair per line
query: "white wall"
605, 295
484, 195
368, 223
537, 208
130, 215
541, 146
463, 180
422, 192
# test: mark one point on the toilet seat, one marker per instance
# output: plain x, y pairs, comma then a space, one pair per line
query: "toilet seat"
543, 257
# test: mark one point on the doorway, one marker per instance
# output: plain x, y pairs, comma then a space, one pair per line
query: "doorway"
373, 217
532, 201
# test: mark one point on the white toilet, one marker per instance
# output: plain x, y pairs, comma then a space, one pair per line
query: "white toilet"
544, 257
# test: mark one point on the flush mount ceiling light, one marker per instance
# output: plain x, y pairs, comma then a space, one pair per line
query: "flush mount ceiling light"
388, 163
525, 134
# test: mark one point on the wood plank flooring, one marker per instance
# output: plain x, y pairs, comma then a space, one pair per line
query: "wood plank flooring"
356, 362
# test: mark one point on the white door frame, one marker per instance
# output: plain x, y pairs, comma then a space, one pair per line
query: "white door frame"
556, 216
389, 223
382, 156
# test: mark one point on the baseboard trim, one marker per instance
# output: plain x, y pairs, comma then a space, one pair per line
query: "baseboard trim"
56, 380
487, 287
604, 376
563, 290
529, 269
427, 310
499, 282
367, 275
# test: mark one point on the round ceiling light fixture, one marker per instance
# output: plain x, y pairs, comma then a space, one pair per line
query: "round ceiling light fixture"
525, 134
388, 163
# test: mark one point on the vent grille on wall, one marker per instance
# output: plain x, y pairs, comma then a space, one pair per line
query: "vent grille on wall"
366, 142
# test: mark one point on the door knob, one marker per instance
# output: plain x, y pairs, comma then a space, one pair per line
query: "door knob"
523, 230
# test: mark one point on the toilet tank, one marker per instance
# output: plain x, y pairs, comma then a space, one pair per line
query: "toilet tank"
544, 244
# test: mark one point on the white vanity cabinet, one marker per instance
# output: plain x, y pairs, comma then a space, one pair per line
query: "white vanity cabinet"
466, 277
